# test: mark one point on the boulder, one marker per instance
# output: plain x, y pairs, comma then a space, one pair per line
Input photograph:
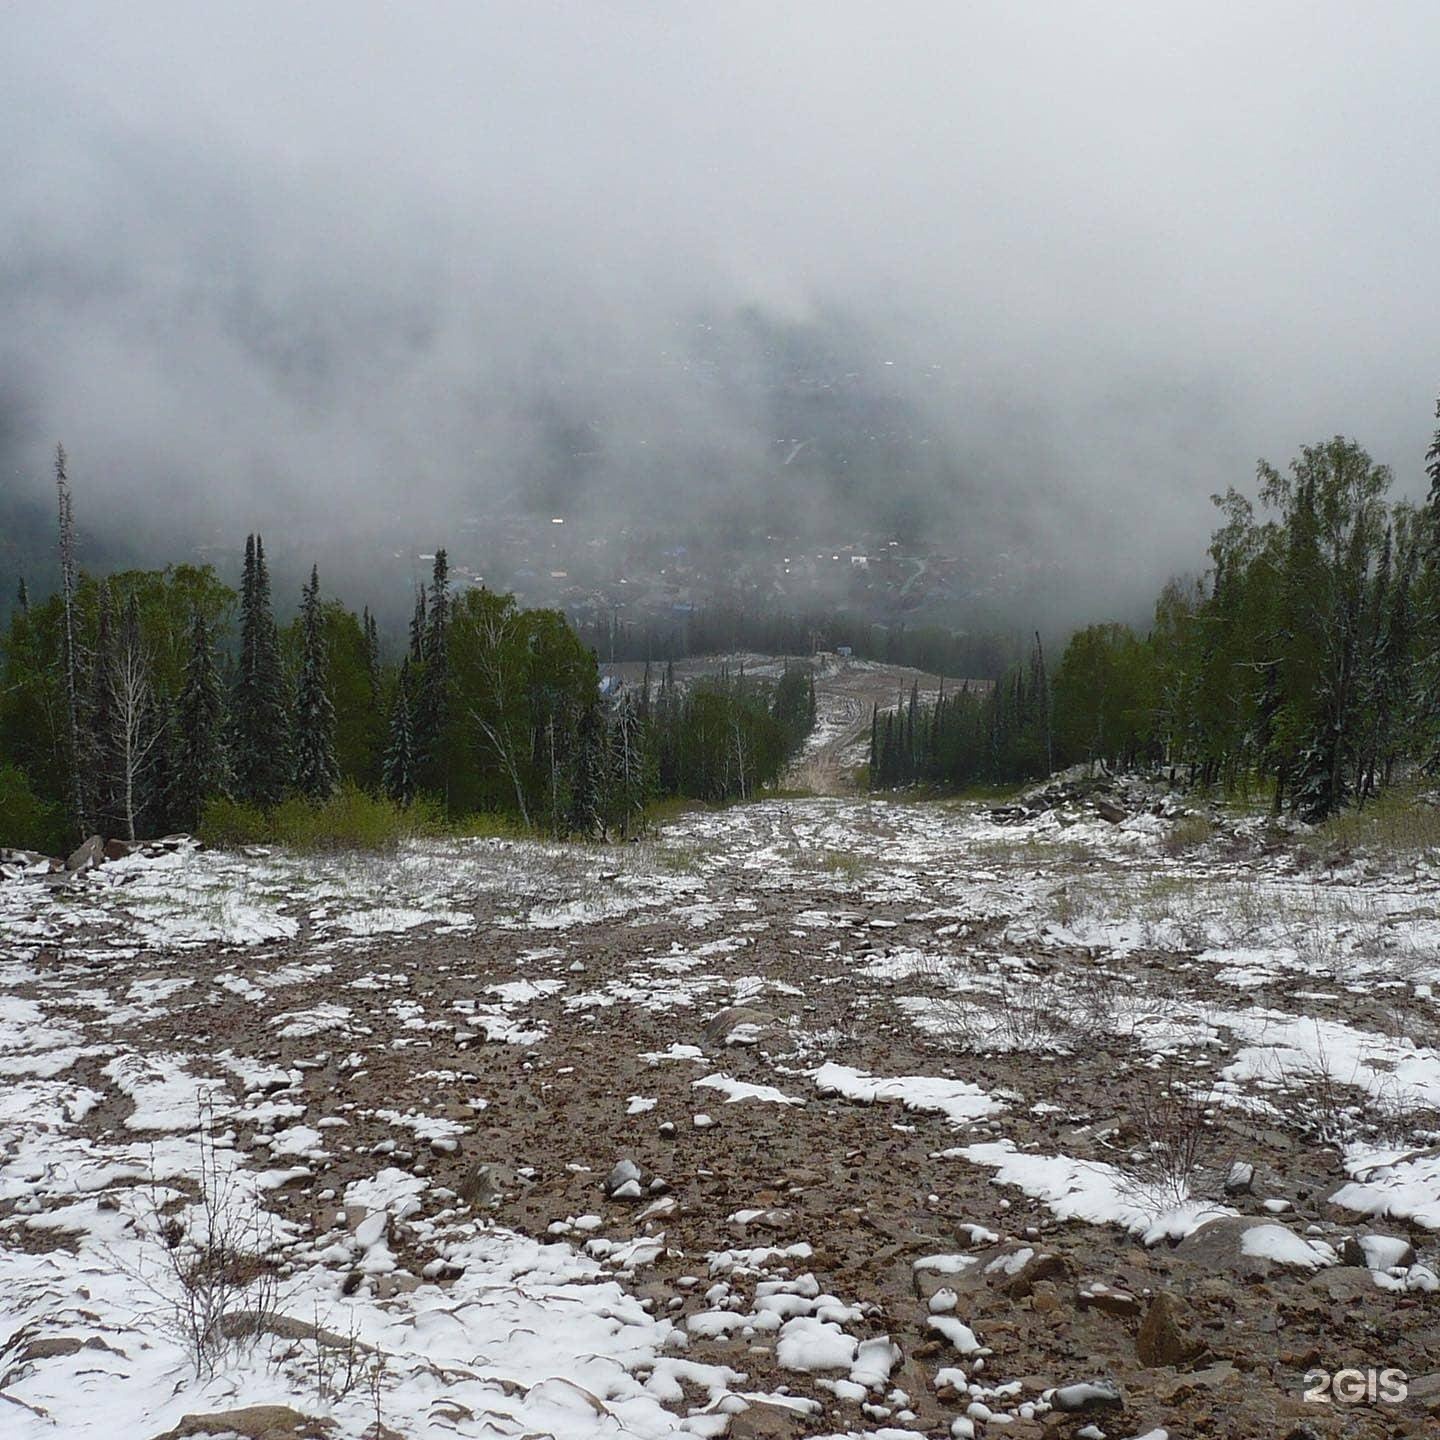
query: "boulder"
1253, 1247
721, 1025
1097, 1295
89, 855
1164, 1338
1086, 1396
254, 1422
119, 849
623, 1181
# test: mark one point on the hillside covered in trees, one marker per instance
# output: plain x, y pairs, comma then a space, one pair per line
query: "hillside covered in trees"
151, 701
1306, 662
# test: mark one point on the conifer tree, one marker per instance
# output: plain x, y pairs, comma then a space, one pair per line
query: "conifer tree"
22, 597
200, 765
372, 654
399, 768
628, 768
587, 790
316, 773
418, 627
260, 706
432, 706
70, 657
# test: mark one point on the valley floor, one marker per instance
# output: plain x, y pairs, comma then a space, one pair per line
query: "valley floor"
934, 1125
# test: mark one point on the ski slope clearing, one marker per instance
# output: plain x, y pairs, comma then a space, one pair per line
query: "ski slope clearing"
830, 1117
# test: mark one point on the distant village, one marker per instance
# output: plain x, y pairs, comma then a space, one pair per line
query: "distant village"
628, 575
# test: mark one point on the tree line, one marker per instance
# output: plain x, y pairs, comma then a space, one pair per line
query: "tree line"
137, 703
726, 628
1304, 664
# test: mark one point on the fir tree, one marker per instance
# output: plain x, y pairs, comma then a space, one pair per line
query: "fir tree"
399, 768
200, 766
372, 654
260, 708
22, 597
587, 789
417, 628
316, 772
432, 707
70, 657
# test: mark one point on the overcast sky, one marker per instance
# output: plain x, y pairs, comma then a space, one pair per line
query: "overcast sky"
257, 258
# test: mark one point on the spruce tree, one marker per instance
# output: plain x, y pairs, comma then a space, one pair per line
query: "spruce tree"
22, 597
417, 628
399, 768
260, 708
316, 773
200, 763
372, 654
432, 706
587, 789
70, 657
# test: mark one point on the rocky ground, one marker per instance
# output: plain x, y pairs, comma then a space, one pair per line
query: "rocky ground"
830, 1117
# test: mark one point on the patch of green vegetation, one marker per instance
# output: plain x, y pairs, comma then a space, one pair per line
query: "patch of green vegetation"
844, 863
1399, 822
352, 819
27, 821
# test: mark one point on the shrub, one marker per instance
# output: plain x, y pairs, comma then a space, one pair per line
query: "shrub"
226, 823
351, 819
26, 821
1188, 833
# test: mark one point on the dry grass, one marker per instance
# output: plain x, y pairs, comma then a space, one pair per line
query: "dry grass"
1401, 823
1188, 834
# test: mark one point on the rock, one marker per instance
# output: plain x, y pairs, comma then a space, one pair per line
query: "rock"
1240, 1178
1015, 1272
484, 1184
372, 1229
719, 1026
1381, 1252
1164, 1338
1044, 1299
1345, 1284
1109, 810
763, 1420
255, 1422
118, 849
89, 855
1423, 1392
25, 859
623, 1181
1222, 1244
1086, 1396
1097, 1295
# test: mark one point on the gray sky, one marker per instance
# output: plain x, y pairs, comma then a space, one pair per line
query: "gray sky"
259, 259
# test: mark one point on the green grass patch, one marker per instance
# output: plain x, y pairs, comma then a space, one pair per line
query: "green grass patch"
352, 819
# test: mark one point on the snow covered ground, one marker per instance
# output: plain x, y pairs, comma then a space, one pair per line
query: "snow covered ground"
922, 1112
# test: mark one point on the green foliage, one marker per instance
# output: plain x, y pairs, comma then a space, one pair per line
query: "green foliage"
350, 819
316, 771
1105, 696
728, 736
26, 821
260, 744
